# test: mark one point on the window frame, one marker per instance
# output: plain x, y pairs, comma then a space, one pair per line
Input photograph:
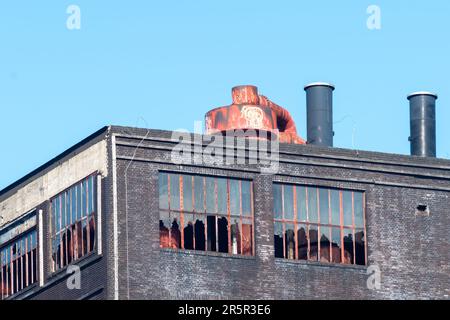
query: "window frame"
204, 213
298, 223
26, 235
67, 192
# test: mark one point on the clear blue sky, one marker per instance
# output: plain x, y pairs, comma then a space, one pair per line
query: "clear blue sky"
163, 64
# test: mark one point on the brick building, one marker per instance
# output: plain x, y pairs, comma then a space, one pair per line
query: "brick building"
141, 226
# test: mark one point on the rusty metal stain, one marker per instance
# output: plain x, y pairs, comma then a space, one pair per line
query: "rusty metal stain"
248, 111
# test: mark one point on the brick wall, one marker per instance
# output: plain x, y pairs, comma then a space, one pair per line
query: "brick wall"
411, 251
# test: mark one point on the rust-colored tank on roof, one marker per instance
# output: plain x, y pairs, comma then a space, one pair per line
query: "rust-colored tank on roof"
251, 111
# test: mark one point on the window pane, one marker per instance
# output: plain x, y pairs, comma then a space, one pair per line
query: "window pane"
336, 242
57, 214
348, 246
164, 223
278, 240
188, 231
84, 199
277, 202
335, 208
199, 233
324, 206
246, 198
212, 239
92, 228
301, 203
247, 237
73, 204
91, 194
85, 238
347, 204
211, 195
68, 213
235, 236
234, 197
163, 191
187, 193
290, 241
199, 194
302, 242
358, 203
288, 202
313, 243
79, 204
360, 249
54, 217
175, 233
174, 181
222, 195
222, 224
324, 244
63, 210
312, 205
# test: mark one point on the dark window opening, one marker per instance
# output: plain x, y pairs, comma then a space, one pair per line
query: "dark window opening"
212, 241
278, 239
223, 234
200, 235
189, 237
422, 210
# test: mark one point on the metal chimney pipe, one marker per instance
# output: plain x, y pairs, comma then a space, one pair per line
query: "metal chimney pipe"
422, 112
319, 113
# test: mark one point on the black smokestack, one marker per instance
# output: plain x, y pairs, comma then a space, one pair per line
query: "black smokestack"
422, 111
319, 113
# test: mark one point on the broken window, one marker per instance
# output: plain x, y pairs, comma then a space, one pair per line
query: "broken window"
188, 231
278, 239
200, 233
290, 241
348, 246
319, 224
216, 214
73, 227
359, 247
336, 243
302, 242
18, 256
313, 242
324, 244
